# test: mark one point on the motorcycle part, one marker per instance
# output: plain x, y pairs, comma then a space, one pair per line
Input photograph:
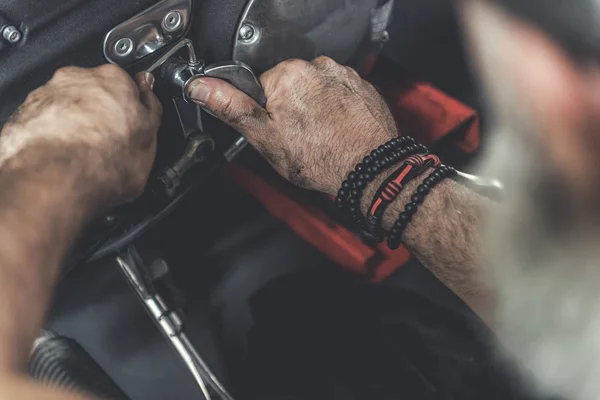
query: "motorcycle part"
148, 32
11, 34
61, 362
169, 322
198, 149
488, 187
271, 31
180, 73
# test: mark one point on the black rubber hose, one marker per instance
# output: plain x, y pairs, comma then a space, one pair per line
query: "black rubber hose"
57, 361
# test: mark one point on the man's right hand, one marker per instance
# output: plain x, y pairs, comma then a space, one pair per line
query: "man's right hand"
321, 119
96, 125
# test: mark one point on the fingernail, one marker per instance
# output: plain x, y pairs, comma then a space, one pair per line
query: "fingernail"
145, 78
150, 79
200, 92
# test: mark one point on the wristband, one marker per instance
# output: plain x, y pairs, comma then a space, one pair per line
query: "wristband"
413, 167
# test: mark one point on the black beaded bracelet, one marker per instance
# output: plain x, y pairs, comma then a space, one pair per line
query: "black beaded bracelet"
358, 183
434, 179
370, 166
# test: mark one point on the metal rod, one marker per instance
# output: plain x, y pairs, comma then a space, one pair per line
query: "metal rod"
171, 325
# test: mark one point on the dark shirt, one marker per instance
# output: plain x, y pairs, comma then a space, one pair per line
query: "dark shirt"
316, 338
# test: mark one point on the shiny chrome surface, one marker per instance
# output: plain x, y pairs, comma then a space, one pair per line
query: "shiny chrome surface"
11, 34
239, 75
173, 21
187, 43
284, 29
170, 324
489, 187
149, 31
236, 148
181, 73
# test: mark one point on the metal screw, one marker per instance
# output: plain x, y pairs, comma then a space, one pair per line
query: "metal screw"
11, 34
385, 37
123, 47
173, 21
247, 32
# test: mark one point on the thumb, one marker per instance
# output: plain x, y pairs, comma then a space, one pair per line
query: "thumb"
230, 105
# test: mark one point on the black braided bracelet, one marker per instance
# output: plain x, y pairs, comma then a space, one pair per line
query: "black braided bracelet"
353, 188
434, 179
390, 189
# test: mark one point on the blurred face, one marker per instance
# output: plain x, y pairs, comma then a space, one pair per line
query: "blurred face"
543, 241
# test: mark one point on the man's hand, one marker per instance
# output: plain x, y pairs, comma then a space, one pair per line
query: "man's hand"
82, 142
98, 122
321, 119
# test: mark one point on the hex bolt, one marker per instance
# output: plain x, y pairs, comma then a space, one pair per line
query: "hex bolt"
11, 34
247, 33
123, 47
173, 21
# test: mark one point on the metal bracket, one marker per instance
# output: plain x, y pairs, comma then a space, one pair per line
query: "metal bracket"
148, 32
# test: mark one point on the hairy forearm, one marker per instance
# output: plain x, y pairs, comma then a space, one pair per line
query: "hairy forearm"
445, 236
40, 214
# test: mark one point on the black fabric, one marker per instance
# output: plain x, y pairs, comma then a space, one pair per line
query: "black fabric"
316, 338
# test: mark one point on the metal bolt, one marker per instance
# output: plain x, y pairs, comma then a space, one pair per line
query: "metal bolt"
385, 37
11, 34
247, 32
123, 47
173, 21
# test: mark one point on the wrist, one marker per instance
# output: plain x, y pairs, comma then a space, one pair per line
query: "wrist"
55, 173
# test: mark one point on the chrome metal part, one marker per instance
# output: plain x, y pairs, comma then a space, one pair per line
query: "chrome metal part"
239, 75
190, 117
149, 31
198, 149
236, 148
181, 73
489, 187
169, 323
305, 29
185, 43
123, 47
247, 33
11, 34
173, 21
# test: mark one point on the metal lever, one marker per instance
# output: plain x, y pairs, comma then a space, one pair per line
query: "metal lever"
239, 75
198, 149
169, 322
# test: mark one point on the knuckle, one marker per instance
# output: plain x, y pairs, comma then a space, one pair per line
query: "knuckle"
112, 70
325, 62
227, 107
352, 73
294, 66
66, 73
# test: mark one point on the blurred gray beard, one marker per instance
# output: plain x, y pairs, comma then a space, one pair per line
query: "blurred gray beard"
544, 267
